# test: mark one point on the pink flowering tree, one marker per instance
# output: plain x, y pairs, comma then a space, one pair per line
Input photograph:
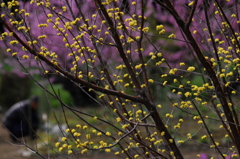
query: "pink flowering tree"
125, 53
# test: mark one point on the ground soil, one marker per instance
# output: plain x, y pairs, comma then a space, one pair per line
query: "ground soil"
15, 151
8, 150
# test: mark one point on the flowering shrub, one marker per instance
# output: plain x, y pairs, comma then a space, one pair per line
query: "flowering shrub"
204, 156
118, 44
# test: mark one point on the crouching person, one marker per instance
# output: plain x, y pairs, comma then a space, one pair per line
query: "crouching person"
22, 119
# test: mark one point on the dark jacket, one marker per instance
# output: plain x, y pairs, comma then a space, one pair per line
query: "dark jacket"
20, 119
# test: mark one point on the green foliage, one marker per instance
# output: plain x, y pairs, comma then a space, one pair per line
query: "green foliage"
63, 94
53, 102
